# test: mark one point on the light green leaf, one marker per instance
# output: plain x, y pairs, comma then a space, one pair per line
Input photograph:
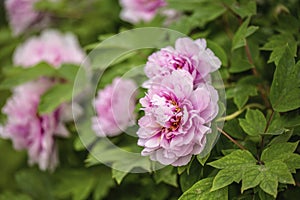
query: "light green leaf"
68, 71
269, 184
252, 176
226, 177
118, 175
279, 169
54, 97
237, 159
14, 76
279, 151
201, 191
202, 160
255, 122
285, 90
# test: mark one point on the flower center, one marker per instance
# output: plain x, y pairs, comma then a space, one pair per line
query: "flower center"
167, 113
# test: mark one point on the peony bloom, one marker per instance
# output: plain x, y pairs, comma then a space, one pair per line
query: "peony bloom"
30, 131
114, 107
135, 11
177, 118
189, 55
22, 15
52, 47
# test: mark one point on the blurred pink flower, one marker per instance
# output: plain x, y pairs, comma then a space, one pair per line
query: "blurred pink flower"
52, 47
22, 15
177, 118
135, 11
114, 107
189, 55
30, 131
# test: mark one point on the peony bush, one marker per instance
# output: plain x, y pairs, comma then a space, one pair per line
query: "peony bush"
149, 99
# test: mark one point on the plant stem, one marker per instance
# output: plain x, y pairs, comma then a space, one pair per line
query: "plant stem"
237, 113
231, 139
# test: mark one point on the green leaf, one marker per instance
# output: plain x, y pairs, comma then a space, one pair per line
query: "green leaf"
269, 184
14, 76
202, 160
279, 151
75, 183
255, 122
105, 182
280, 169
68, 71
239, 39
281, 138
276, 44
237, 159
291, 119
218, 51
234, 129
35, 183
118, 175
252, 176
55, 96
285, 89
240, 93
226, 177
239, 61
13, 196
244, 8
276, 126
166, 175
201, 191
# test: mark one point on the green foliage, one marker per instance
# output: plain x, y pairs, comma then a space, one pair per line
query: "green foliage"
258, 45
274, 166
285, 90
255, 122
202, 191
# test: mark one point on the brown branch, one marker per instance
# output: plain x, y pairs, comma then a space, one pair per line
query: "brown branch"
231, 139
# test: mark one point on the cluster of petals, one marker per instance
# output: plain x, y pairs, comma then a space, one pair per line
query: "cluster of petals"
192, 56
28, 129
52, 47
180, 103
22, 15
135, 11
114, 106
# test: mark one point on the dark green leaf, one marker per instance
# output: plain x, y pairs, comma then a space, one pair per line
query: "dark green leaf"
239, 39
285, 89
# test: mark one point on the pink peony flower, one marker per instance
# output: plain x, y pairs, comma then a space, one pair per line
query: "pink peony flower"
189, 55
114, 108
177, 118
22, 15
52, 47
135, 11
30, 131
